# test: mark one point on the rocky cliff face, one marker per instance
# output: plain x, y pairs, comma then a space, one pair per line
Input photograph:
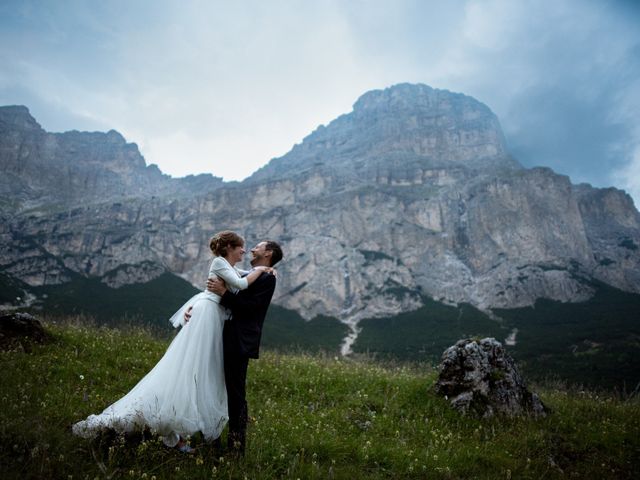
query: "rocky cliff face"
411, 194
60, 170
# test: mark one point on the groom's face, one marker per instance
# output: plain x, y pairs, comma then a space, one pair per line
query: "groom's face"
260, 255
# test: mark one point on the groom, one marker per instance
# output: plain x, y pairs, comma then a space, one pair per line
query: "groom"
242, 333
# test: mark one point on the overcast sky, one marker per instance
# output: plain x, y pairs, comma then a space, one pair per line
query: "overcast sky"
222, 87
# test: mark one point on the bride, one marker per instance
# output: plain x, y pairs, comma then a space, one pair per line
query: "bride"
185, 392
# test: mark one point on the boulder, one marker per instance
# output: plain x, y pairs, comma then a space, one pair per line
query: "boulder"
478, 377
21, 329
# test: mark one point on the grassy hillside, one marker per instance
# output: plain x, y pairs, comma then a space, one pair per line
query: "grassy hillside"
153, 302
313, 416
10, 289
286, 331
423, 334
595, 343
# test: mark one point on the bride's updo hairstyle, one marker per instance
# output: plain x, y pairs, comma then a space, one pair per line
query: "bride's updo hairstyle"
224, 240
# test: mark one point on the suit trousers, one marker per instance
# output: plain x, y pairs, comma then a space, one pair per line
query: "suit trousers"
235, 374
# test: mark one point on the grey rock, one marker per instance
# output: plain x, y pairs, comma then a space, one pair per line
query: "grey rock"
21, 330
478, 377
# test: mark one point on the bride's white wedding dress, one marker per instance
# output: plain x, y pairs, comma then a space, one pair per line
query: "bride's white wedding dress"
185, 392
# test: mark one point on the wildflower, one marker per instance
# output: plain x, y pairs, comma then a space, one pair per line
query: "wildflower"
81, 377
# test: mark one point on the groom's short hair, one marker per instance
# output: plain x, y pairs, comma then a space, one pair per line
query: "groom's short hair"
276, 251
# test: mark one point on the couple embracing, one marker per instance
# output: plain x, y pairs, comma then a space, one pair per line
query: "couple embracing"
199, 383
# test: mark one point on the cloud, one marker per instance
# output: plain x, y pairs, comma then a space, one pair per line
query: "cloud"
628, 177
563, 77
201, 86
219, 87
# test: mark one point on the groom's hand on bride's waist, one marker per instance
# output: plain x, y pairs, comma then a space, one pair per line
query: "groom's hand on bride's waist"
187, 315
216, 285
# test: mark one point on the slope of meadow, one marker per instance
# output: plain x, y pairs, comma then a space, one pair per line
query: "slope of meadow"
313, 416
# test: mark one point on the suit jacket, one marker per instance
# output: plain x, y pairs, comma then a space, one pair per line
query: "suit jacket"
242, 333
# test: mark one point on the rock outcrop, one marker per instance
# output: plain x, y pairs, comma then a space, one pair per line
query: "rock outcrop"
21, 330
411, 194
480, 378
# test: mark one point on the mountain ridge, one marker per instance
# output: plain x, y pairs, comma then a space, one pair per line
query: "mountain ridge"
43, 169
413, 193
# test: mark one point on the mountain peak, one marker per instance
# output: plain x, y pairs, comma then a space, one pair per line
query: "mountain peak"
18, 116
405, 95
406, 99
405, 127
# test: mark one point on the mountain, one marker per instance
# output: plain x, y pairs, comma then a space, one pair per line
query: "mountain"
412, 195
44, 171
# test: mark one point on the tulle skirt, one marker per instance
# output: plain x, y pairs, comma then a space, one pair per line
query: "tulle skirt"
185, 392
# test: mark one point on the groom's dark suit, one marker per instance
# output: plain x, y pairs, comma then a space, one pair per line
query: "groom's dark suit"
241, 340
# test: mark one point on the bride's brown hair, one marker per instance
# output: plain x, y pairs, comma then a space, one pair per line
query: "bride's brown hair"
221, 241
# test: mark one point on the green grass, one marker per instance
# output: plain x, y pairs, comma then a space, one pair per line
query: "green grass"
425, 333
10, 289
313, 416
286, 331
152, 302
595, 343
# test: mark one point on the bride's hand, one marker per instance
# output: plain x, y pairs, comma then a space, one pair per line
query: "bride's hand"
270, 270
